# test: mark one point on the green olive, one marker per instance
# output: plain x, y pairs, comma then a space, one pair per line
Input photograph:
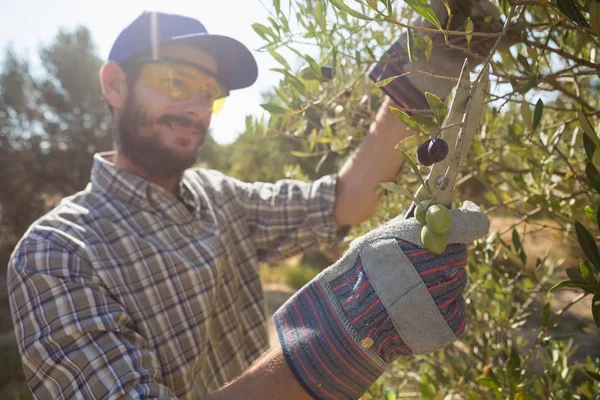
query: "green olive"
438, 219
436, 243
421, 210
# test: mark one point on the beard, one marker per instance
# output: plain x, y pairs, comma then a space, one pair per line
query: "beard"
148, 152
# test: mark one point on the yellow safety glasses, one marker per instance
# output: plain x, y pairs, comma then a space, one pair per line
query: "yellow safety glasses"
180, 81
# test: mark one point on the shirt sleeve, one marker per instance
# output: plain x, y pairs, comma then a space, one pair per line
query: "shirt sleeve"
75, 340
289, 216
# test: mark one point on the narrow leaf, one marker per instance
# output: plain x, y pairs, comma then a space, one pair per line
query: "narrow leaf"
588, 275
563, 284
532, 53
589, 147
593, 375
263, 31
596, 309
591, 214
279, 58
340, 5
392, 187
537, 113
303, 154
415, 168
569, 8
429, 46
587, 127
437, 106
587, 243
596, 158
526, 114
593, 175
372, 4
469, 29
519, 246
274, 109
410, 45
546, 314
423, 8
404, 117
411, 141
594, 9
387, 81
598, 216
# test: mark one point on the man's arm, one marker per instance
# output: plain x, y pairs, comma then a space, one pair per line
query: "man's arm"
375, 161
75, 340
269, 377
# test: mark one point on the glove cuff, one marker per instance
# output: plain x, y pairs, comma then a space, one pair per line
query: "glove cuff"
400, 90
341, 331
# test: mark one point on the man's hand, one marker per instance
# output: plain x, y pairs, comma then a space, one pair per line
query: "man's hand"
386, 297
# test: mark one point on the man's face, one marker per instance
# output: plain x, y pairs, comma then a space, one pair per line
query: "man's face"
159, 134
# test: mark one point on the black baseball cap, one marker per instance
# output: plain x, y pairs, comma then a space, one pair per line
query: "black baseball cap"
236, 64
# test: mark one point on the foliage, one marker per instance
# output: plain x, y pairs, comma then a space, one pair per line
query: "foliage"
535, 159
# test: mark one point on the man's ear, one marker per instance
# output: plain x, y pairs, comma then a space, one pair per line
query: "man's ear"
113, 81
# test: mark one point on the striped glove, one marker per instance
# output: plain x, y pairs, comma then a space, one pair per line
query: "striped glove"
444, 61
386, 297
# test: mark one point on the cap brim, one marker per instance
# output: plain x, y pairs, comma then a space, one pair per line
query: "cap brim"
237, 66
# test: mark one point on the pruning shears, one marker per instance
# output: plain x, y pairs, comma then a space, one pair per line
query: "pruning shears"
458, 130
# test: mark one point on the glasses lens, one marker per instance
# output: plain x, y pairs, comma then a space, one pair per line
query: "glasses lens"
218, 104
181, 82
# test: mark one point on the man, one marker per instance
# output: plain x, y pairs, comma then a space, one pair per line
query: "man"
144, 285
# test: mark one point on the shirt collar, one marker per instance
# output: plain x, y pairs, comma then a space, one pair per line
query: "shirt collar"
135, 190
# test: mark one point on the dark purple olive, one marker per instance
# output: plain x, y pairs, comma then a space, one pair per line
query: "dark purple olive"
423, 154
327, 73
437, 150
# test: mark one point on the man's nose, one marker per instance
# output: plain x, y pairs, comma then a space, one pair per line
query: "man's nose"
198, 107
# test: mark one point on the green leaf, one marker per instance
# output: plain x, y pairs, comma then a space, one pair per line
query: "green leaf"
469, 29
589, 147
569, 8
519, 246
537, 113
596, 309
415, 168
593, 175
387, 81
304, 154
410, 45
528, 85
279, 58
514, 363
598, 216
587, 127
319, 15
588, 275
523, 61
437, 106
263, 31
423, 8
372, 4
591, 214
411, 141
596, 158
587, 243
340, 5
428, 46
546, 314
404, 117
526, 114
593, 375
594, 9
392, 187
532, 53
564, 284
274, 109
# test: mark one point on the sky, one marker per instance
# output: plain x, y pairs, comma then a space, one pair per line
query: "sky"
27, 24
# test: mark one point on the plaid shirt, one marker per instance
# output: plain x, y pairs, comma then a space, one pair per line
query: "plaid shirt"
125, 290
